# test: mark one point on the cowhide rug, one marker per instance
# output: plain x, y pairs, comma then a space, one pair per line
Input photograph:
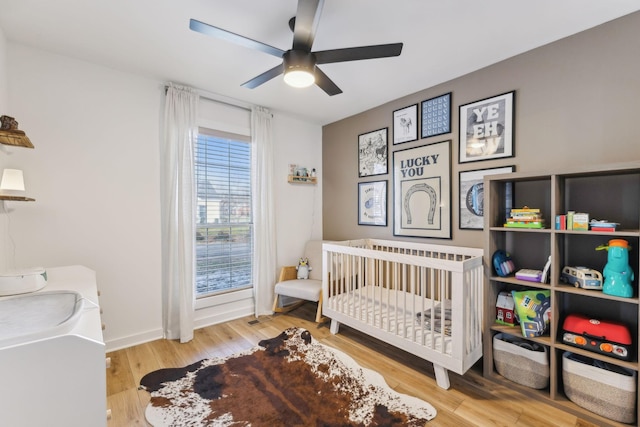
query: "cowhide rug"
289, 380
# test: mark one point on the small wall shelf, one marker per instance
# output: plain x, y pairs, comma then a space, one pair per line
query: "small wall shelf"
293, 179
16, 138
17, 198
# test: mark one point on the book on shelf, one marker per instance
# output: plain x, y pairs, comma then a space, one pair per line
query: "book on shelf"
525, 218
607, 229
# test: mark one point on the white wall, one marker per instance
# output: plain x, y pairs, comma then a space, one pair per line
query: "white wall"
94, 173
298, 206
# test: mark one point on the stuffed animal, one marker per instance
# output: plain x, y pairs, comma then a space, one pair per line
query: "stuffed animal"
303, 268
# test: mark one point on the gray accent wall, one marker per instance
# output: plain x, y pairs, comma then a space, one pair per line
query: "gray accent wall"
577, 103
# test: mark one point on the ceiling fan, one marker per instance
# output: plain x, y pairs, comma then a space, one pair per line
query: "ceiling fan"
299, 63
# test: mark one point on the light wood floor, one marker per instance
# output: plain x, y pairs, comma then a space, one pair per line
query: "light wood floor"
471, 401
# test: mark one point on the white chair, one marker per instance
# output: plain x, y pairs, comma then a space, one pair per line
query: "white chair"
301, 289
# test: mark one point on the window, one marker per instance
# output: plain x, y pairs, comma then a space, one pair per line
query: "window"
224, 225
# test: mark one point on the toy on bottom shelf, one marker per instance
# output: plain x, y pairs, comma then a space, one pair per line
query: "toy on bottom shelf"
534, 310
617, 273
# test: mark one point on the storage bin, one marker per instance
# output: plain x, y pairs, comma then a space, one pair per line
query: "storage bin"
602, 388
521, 361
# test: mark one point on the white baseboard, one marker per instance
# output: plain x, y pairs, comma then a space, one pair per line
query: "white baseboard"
131, 340
217, 318
205, 316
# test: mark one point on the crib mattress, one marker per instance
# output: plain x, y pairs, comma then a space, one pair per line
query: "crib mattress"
396, 312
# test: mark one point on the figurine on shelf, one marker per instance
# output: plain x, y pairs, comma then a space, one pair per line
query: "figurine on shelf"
617, 273
8, 123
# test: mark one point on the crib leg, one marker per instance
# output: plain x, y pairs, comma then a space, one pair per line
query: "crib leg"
335, 325
442, 376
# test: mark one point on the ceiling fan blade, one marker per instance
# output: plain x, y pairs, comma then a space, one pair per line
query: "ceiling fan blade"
358, 53
326, 84
210, 30
306, 23
263, 78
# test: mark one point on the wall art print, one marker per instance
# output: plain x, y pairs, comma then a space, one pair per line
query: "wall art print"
486, 128
436, 116
372, 153
405, 124
472, 196
372, 203
422, 191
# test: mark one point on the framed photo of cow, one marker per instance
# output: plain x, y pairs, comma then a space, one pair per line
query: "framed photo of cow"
405, 124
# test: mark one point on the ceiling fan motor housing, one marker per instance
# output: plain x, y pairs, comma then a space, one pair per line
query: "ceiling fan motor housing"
297, 60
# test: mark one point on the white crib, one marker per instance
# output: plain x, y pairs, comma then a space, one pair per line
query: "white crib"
424, 299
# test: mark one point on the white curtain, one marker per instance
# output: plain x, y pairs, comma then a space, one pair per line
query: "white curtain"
264, 266
178, 223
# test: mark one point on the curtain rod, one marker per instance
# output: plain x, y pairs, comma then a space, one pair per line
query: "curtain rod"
219, 98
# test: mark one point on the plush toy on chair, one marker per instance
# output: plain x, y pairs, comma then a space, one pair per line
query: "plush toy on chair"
303, 268
301, 283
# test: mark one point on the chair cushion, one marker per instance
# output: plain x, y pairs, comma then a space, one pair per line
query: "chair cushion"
313, 251
308, 289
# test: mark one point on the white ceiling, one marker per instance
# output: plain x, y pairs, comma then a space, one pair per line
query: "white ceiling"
442, 40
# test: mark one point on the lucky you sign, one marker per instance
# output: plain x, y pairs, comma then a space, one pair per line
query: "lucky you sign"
422, 191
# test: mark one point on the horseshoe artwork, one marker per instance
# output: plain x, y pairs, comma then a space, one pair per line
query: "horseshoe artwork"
433, 200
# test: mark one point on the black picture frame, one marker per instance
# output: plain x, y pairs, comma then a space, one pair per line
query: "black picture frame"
372, 203
422, 191
471, 196
372, 153
487, 128
405, 124
436, 116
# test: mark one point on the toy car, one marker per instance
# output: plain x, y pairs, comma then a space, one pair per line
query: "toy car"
582, 277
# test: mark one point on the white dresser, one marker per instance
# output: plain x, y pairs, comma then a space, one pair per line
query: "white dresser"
60, 380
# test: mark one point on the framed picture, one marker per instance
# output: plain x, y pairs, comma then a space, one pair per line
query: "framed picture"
436, 116
372, 153
372, 203
405, 124
472, 196
486, 128
422, 191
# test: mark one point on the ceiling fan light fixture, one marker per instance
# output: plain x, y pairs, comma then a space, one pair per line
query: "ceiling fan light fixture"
299, 68
299, 78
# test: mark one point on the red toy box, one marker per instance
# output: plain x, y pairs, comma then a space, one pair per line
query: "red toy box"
600, 336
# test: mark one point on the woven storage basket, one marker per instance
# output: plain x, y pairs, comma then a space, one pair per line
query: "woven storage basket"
520, 364
611, 394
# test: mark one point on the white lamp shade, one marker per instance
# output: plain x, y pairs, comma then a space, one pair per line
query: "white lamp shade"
12, 183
